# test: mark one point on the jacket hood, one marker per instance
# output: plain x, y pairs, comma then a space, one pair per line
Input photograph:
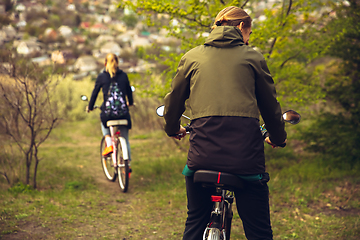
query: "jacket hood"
225, 36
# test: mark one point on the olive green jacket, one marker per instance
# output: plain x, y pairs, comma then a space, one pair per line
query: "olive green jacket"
224, 77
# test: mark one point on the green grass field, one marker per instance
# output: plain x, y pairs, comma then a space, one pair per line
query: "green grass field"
309, 200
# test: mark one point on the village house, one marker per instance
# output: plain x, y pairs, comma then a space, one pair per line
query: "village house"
65, 31
85, 25
7, 33
50, 34
78, 38
28, 47
100, 40
126, 37
111, 47
86, 64
99, 28
62, 56
42, 60
140, 42
118, 26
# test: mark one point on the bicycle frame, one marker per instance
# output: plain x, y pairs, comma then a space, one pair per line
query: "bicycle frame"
115, 138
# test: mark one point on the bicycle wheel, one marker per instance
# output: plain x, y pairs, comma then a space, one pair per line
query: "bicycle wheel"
123, 164
214, 234
106, 163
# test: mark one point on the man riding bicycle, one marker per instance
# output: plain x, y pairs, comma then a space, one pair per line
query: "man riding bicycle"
226, 83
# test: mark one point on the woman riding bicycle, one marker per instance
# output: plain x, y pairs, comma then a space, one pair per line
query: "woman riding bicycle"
226, 83
112, 73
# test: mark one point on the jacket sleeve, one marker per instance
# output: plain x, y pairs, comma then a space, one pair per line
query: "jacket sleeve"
175, 99
129, 91
95, 92
269, 107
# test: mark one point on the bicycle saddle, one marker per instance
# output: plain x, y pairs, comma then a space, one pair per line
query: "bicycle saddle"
117, 122
218, 179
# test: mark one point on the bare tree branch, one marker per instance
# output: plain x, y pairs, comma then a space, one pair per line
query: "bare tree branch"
5, 176
244, 4
282, 25
288, 59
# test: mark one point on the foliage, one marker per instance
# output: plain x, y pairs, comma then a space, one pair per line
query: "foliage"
20, 188
288, 38
344, 86
336, 134
336, 138
67, 97
130, 20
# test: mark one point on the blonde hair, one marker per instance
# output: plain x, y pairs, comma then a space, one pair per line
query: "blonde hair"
232, 16
111, 64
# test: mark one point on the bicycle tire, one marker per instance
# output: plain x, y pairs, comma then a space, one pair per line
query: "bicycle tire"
123, 170
214, 234
106, 163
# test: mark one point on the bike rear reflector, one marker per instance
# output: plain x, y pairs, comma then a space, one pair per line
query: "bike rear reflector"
216, 198
117, 133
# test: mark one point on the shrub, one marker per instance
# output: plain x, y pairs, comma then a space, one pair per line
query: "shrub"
336, 137
67, 97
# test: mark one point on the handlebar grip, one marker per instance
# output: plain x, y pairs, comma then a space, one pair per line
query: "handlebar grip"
266, 134
188, 128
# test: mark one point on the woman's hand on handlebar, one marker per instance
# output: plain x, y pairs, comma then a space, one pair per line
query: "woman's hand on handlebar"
180, 134
268, 141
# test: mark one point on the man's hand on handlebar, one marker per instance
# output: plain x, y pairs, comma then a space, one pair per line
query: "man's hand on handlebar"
87, 109
268, 141
180, 134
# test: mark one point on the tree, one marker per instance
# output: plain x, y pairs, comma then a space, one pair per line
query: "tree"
337, 132
288, 38
27, 113
344, 87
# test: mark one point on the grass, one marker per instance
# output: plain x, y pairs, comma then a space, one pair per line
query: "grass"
308, 199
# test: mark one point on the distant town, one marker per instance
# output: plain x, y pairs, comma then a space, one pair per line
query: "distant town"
79, 33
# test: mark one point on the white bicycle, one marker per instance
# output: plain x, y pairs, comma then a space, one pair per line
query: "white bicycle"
117, 163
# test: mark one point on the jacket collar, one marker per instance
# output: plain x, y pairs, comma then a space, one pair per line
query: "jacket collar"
225, 36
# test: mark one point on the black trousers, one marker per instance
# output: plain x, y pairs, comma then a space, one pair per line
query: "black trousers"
252, 203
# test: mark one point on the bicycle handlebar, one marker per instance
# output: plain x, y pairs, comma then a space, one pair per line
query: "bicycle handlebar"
289, 116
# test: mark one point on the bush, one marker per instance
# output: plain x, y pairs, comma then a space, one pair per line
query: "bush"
67, 97
130, 20
21, 188
336, 137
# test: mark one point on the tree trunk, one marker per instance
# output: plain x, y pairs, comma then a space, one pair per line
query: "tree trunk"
35, 167
27, 180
